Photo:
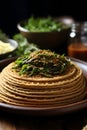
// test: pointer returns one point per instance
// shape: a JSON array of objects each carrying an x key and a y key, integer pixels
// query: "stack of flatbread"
[{"x": 22, "y": 90}]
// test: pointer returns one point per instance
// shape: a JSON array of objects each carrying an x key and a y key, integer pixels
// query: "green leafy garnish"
[{"x": 43, "y": 63}]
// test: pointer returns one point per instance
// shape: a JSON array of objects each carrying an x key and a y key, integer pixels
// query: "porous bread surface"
[{"x": 41, "y": 91}]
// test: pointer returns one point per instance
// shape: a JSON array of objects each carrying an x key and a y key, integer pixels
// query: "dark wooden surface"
[{"x": 70, "y": 121}]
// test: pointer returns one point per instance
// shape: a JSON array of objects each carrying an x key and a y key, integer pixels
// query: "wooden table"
[{"x": 71, "y": 121}]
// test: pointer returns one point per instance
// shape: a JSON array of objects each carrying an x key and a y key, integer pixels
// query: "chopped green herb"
[{"x": 42, "y": 62}]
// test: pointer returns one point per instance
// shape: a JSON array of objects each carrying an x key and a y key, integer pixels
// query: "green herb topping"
[{"x": 43, "y": 63}]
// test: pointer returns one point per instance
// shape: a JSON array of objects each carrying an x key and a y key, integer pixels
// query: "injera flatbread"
[{"x": 41, "y": 91}]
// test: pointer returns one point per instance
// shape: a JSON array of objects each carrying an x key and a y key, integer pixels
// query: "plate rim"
[{"x": 59, "y": 110}]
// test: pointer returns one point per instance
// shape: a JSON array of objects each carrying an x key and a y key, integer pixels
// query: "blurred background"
[{"x": 12, "y": 11}]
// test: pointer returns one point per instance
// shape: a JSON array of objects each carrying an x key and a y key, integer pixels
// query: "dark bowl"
[
  {"x": 13, "y": 43},
  {"x": 45, "y": 40}
]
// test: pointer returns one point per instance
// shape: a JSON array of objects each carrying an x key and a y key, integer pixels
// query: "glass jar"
[{"x": 77, "y": 44}]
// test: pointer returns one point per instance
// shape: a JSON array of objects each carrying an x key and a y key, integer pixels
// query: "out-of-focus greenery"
[
  {"x": 24, "y": 46},
  {"x": 40, "y": 24},
  {"x": 3, "y": 36}
]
